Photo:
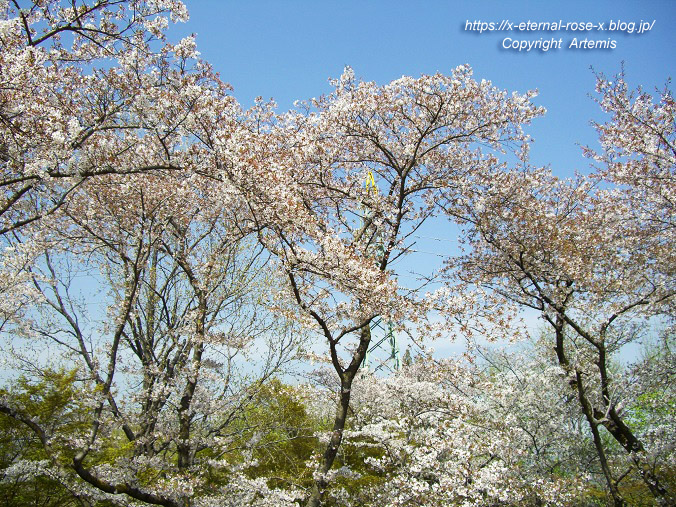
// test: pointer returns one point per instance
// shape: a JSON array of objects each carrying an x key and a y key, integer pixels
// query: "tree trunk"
[
  {"x": 613, "y": 423},
  {"x": 334, "y": 443},
  {"x": 618, "y": 501},
  {"x": 626, "y": 438},
  {"x": 587, "y": 409},
  {"x": 346, "y": 378}
]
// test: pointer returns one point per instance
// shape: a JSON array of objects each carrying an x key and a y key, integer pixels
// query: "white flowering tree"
[
  {"x": 87, "y": 88},
  {"x": 179, "y": 304},
  {"x": 638, "y": 151},
  {"x": 123, "y": 263},
  {"x": 420, "y": 142},
  {"x": 447, "y": 433},
  {"x": 67, "y": 113},
  {"x": 594, "y": 262}
]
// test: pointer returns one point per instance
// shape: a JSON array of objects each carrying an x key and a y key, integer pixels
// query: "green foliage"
[
  {"x": 49, "y": 400},
  {"x": 284, "y": 435}
]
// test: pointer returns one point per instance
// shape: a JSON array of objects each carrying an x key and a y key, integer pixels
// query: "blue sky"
[{"x": 287, "y": 50}]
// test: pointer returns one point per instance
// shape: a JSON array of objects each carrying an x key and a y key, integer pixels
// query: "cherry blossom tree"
[
  {"x": 335, "y": 238},
  {"x": 651, "y": 386},
  {"x": 595, "y": 264},
  {"x": 638, "y": 150},
  {"x": 89, "y": 89},
  {"x": 67, "y": 114},
  {"x": 451, "y": 434},
  {"x": 122, "y": 260},
  {"x": 182, "y": 301}
]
